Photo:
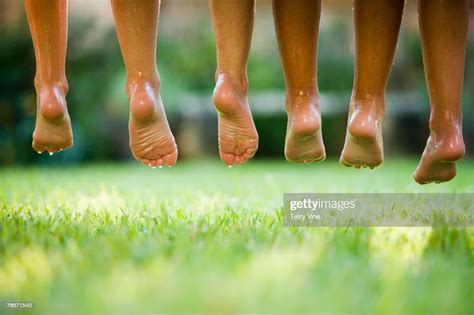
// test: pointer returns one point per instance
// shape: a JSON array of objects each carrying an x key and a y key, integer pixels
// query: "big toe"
[
  {"x": 421, "y": 177},
  {"x": 227, "y": 158},
  {"x": 38, "y": 147}
]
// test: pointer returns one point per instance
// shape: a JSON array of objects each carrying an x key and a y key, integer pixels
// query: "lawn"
[{"x": 200, "y": 237}]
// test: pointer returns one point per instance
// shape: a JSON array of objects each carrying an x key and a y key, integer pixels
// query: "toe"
[
  {"x": 419, "y": 181},
  {"x": 37, "y": 147},
  {"x": 146, "y": 162},
  {"x": 54, "y": 149},
  {"x": 251, "y": 151},
  {"x": 245, "y": 157},
  {"x": 250, "y": 147},
  {"x": 40, "y": 148},
  {"x": 63, "y": 146},
  {"x": 344, "y": 163},
  {"x": 290, "y": 160},
  {"x": 66, "y": 145},
  {"x": 227, "y": 158},
  {"x": 170, "y": 159},
  {"x": 319, "y": 159},
  {"x": 237, "y": 160}
]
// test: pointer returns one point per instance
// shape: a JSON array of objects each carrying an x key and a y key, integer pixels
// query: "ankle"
[
  {"x": 239, "y": 81},
  {"x": 363, "y": 101},
  {"x": 302, "y": 99},
  {"x": 445, "y": 123},
  {"x": 42, "y": 85},
  {"x": 140, "y": 81}
]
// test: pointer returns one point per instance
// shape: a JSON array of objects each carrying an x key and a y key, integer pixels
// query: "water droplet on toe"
[
  {"x": 38, "y": 152},
  {"x": 300, "y": 93},
  {"x": 51, "y": 153}
]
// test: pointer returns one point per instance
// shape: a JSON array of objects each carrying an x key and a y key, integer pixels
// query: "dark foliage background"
[{"x": 186, "y": 60}]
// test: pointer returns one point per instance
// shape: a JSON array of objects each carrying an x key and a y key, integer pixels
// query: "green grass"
[{"x": 200, "y": 237}]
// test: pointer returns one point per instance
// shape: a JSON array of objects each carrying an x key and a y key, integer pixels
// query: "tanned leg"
[
  {"x": 377, "y": 24},
  {"x": 443, "y": 26},
  {"x": 48, "y": 24},
  {"x": 151, "y": 140},
  {"x": 233, "y": 24},
  {"x": 297, "y": 28}
]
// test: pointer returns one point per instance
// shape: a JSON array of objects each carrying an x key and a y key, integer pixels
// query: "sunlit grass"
[{"x": 200, "y": 237}]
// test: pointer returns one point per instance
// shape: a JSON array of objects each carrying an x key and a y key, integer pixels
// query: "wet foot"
[
  {"x": 238, "y": 138},
  {"x": 53, "y": 131},
  {"x": 304, "y": 142},
  {"x": 438, "y": 163},
  {"x": 151, "y": 140},
  {"x": 364, "y": 145}
]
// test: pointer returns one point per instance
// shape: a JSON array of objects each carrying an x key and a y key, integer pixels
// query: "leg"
[
  {"x": 233, "y": 23},
  {"x": 297, "y": 27},
  {"x": 48, "y": 24},
  {"x": 151, "y": 140},
  {"x": 377, "y": 24},
  {"x": 443, "y": 26}
]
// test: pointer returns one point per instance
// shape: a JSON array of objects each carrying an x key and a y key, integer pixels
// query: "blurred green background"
[{"x": 186, "y": 61}]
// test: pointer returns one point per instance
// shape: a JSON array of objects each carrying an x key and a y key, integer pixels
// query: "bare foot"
[
  {"x": 238, "y": 138},
  {"x": 438, "y": 163},
  {"x": 53, "y": 126},
  {"x": 304, "y": 141},
  {"x": 151, "y": 140},
  {"x": 364, "y": 145}
]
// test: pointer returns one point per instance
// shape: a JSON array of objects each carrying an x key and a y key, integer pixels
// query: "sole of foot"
[
  {"x": 304, "y": 142},
  {"x": 363, "y": 147},
  {"x": 53, "y": 131},
  {"x": 438, "y": 162},
  {"x": 238, "y": 138},
  {"x": 151, "y": 140}
]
